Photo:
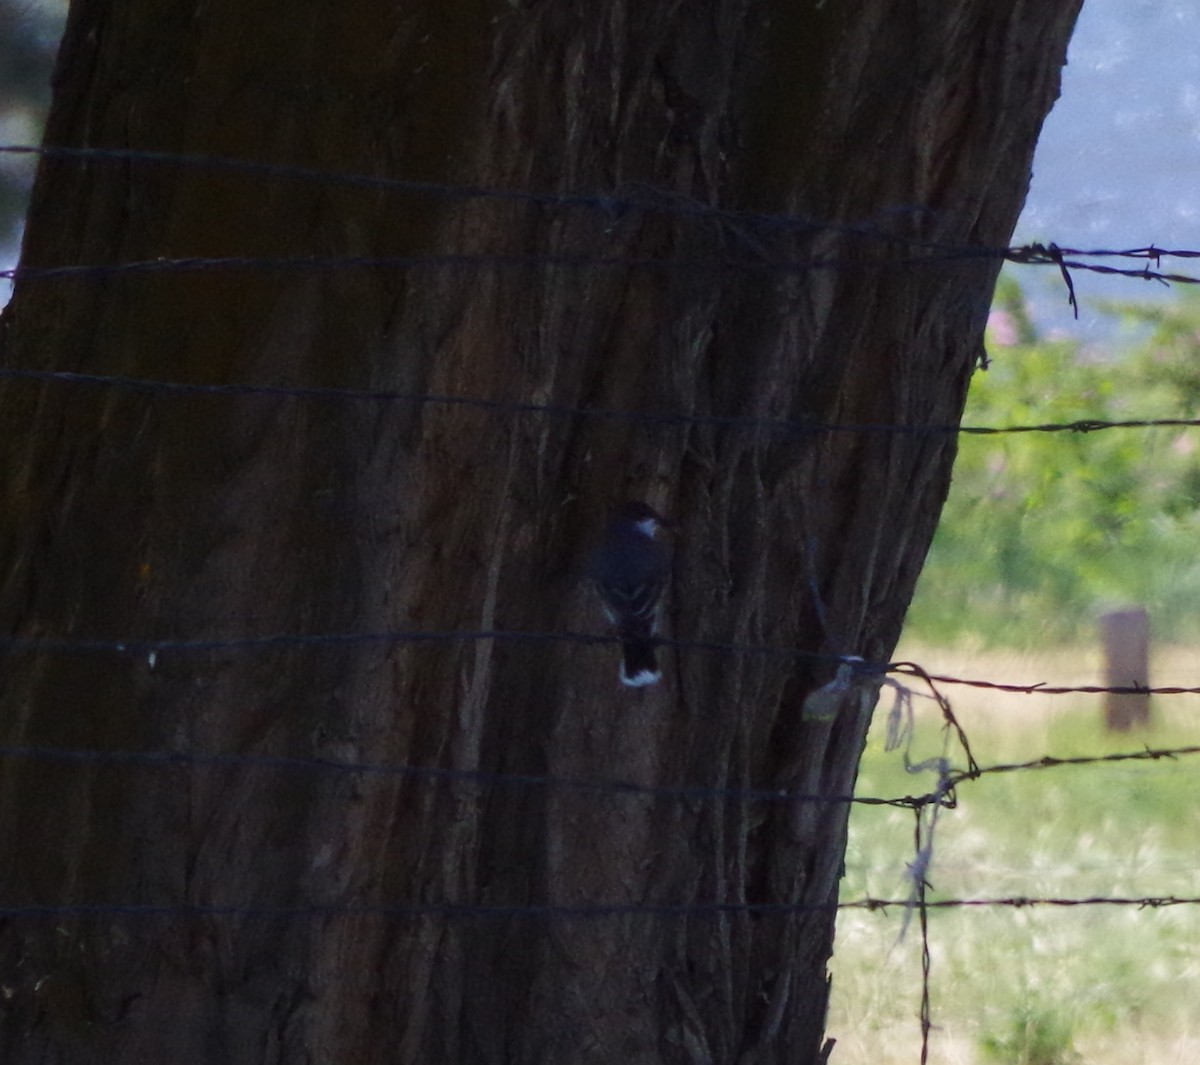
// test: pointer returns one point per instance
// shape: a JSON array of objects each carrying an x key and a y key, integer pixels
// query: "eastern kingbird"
[{"x": 630, "y": 569}]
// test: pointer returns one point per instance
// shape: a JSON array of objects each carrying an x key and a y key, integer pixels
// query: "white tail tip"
[{"x": 643, "y": 678}]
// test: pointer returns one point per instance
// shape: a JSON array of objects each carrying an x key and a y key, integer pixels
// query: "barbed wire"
[
  {"x": 516, "y": 407},
  {"x": 919, "y": 902},
  {"x": 462, "y": 910},
  {"x": 1041, "y": 688},
  {"x": 1032, "y": 254},
  {"x": 175, "y": 759},
  {"x": 729, "y": 265},
  {"x": 155, "y": 650},
  {"x": 1049, "y": 761},
  {"x": 331, "y": 263},
  {"x": 754, "y": 256},
  {"x": 641, "y": 200}
]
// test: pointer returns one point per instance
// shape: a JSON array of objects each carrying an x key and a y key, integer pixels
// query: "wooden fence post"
[{"x": 1126, "y": 638}]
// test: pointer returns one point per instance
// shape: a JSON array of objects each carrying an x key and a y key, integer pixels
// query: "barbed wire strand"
[
  {"x": 155, "y": 650},
  {"x": 516, "y": 407},
  {"x": 458, "y": 910},
  {"x": 1147, "y": 754},
  {"x": 939, "y": 796},
  {"x": 920, "y": 888},
  {"x": 785, "y": 265},
  {"x": 638, "y": 201}
]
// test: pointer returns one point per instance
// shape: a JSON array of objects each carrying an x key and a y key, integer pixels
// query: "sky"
[{"x": 1118, "y": 163}]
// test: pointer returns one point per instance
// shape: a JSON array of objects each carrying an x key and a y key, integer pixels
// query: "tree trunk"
[{"x": 132, "y": 514}]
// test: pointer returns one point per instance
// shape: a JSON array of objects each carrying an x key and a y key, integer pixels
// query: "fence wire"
[
  {"x": 470, "y": 911},
  {"x": 157, "y": 651},
  {"x": 515, "y": 407}
]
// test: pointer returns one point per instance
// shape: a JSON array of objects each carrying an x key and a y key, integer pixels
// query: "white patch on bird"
[
  {"x": 648, "y": 527},
  {"x": 641, "y": 679}
]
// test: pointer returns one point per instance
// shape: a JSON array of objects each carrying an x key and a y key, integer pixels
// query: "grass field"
[{"x": 1105, "y": 985}]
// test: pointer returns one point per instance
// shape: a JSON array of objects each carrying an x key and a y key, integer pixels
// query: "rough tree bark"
[{"x": 133, "y": 514}]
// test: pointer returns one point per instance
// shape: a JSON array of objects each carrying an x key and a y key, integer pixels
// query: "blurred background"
[{"x": 29, "y": 33}]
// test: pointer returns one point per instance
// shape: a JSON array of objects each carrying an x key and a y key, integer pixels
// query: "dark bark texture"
[{"x": 131, "y": 514}]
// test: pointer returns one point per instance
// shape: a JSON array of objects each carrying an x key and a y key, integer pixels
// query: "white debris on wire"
[
  {"x": 900, "y": 732},
  {"x": 900, "y": 722},
  {"x": 918, "y": 868},
  {"x": 854, "y": 678}
]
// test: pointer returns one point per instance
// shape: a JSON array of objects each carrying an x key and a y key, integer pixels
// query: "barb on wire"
[
  {"x": 1056, "y": 257},
  {"x": 1067, "y": 259},
  {"x": 1147, "y": 754},
  {"x": 1041, "y": 688},
  {"x": 1144, "y": 274}
]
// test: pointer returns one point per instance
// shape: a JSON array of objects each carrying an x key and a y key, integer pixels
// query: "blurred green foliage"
[{"x": 1043, "y": 531}]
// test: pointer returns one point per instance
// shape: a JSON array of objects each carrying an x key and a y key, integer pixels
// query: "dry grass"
[{"x": 1044, "y": 986}]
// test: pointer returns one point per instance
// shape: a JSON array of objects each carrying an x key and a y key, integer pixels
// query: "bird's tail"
[{"x": 639, "y": 663}]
